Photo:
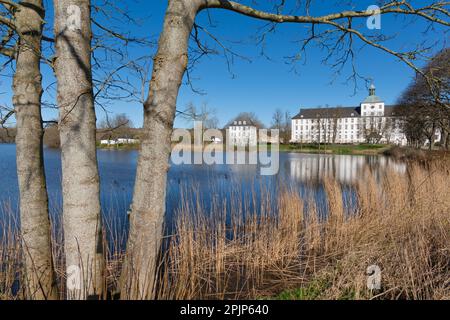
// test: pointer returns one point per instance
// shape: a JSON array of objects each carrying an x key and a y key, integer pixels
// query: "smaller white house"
[
  {"x": 119, "y": 141},
  {"x": 242, "y": 132},
  {"x": 108, "y": 142},
  {"x": 127, "y": 141},
  {"x": 216, "y": 140}
]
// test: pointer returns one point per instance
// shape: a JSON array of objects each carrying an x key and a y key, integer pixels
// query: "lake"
[{"x": 303, "y": 172}]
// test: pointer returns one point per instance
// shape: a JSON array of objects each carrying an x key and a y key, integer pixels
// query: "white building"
[
  {"x": 108, "y": 142},
  {"x": 242, "y": 132},
  {"x": 119, "y": 141},
  {"x": 127, "y": 141},
  {"x": 371, "y": 122}
]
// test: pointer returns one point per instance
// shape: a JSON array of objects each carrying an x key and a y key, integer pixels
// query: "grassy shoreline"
[
  {"x": 342, "y": 149},
  {"x": 357, "y": 149}
]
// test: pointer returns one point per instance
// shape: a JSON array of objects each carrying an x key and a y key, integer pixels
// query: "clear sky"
[{"x": 264, "y": 84}]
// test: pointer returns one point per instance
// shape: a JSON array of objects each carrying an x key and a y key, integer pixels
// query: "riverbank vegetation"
[
  {"x": 398, "y": 222},
  {"x": 336, "y": 148},
  {"x": 292, "y": 246}
]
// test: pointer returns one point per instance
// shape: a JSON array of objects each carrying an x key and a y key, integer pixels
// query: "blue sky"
[{"x": 262, "y": 85}]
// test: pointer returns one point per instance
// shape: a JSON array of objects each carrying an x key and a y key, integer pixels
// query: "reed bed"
[
  {"x": 400, "y": 223},
  {"x": 261, "y": 244}
]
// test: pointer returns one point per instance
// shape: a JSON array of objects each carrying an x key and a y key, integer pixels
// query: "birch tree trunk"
[
  {"x": 27, "y": 87},
  {"x": 80, "y": 180},
  {"x": 148, "y": 209}
]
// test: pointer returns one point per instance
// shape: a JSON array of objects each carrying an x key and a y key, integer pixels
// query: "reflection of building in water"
[{"x": 345, "y": 169}]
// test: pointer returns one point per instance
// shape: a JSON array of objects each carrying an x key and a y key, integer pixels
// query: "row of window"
[
  {"x": 241, "y": 128},
  {"x": 241, "y": 134},
  {"x": 346, "y": 120},
  {"x": 339, "y": 127},
  {"x": 316, "y": 137},
  {"x": 240, "y": 123},
  {"x": 341, "y": 120},
  {"x": 364, "y": 107}
]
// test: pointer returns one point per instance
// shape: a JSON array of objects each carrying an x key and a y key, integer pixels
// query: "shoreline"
[
  {"x": 357, "y": 150},
  {"x": 360, "y": 149}
]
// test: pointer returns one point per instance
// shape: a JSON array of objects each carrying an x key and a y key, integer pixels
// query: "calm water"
[{"x": 303, "y": 172}]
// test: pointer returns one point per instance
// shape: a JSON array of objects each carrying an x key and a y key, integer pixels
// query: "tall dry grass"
[
  {"x": 12, "y": 286},
  {"x": 399, "y": 222},
  {"x": 256, "y": 244}
]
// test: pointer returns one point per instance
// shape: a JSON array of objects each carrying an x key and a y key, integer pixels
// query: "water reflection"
[
  {"x": 346, "y": 169},
  {"x": 303, "y": 172}
]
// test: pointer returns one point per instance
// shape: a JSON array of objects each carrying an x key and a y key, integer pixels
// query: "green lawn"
[{"x": 335, "y": 148}]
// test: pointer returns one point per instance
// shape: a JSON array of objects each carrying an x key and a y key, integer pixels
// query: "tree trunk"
[
  {"x": 80, "y": 181},
  {"x": 27, "y": 87},
  {"x": 148, "y": 209}
]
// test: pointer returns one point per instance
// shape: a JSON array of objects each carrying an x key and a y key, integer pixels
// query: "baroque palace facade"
[{"x": 371, "y": 122}]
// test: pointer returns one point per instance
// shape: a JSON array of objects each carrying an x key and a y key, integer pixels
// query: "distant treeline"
[
  {"x": 51, "y": 135},
  {"x": 7, "y": 135}
]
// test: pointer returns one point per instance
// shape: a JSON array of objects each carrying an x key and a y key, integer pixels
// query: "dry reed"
[
  {"x": 252, "y": 244},
  {"x": 399, "y": 222}
]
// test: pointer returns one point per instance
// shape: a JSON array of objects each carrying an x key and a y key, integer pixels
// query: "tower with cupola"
[{"x": 372, "y": 106}]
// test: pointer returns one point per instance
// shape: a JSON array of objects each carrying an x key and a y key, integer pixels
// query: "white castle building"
[
  {"x": 242, "y": 132},
  {"x": 371, "y": 122}
]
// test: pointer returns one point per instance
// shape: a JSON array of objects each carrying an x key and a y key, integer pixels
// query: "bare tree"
[
  {"x": 204, "y": 113},
  {"x": 120, "y": 120},
  {"x": 424, "y": 112},
  {"x": 22, "y": 43},
  {"x": 287, "y": 128},
  {"x": 373, "y": 129},
  {"x": 169, "y": 67},
  {"x": 83, "y": 241},
  {"x": 277, "y": 119}
]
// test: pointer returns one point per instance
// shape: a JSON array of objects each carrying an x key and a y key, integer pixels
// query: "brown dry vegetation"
[
  {"x": 272, "y": 245},
  {"x": 400, "y": 223}
]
